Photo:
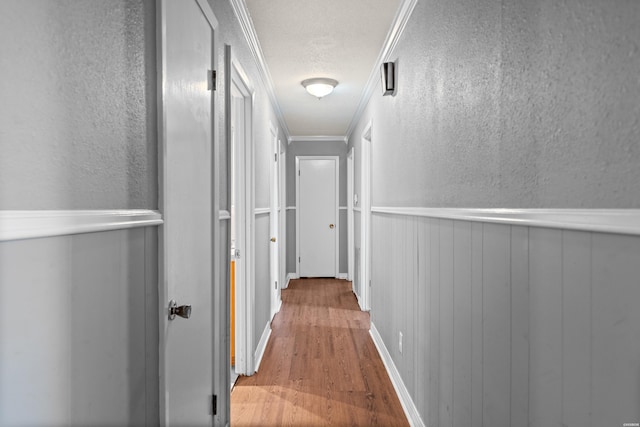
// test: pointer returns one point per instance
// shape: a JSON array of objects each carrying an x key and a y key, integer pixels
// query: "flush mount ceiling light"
[{"x": 320, "y": 86}]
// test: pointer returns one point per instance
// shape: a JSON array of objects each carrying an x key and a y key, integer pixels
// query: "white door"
[
  {"x": 187, "y": 199},
  {"x": 317, "y": 216},
  {"x": 274, "y": 254}
]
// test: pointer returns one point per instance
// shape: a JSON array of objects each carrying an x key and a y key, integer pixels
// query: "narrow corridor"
[{"x": 320, "y": 366}]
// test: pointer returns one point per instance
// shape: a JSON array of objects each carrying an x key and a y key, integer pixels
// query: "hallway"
[{"x": 320, "y": 366}]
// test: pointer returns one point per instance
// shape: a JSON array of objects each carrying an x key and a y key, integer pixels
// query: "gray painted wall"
[
  {"x": 78, "y": 111},
  {"x": 316, "y": 148},
  {"x": 78, "y": 131},
  {"x": 524, "y": 104},
  {"x": 528, "y": 104}
]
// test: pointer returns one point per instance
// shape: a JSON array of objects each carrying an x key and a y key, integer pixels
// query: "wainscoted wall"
[
  {"x": 509, "y": 325},
  {"x": 79, "y": 329},
  {"x": 263, "y": 279}
]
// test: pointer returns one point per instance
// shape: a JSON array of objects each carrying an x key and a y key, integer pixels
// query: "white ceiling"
[{"x": 339, "y": 39}]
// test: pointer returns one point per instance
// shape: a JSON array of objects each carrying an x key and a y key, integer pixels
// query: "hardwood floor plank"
[{"x": 320, "y": 366}]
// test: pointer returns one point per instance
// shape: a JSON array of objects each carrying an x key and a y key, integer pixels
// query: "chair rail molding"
[
  {"x": 33, "y": 224},
  {"x": 619, "y": 221}
]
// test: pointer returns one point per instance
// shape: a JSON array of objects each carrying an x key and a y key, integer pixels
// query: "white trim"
[
  {"x": 350, "y": 216},
  {"x": 291, "y": 208},
  {"x": 366, "y": 156},
  {"x": 619, "y": 221},
  {"x": 290, "y": 277},
  {"x": 397, "y": 28},
  {"x": 262, "y": 346},
  {"x": 33, "y": 224},
  {"x": 318, "y": 138},
  {"x": 225, "y": 215},
  {"x": 342, "y": 208},
  {"x": 342, "y": 276},
  {"x": 236, "y": 77},
  {"x": 357, "y": 209},
  {"x": 240, "y": 9},
  {"x": 261, "y": 211},
  {"x": 409, "y": 407}
]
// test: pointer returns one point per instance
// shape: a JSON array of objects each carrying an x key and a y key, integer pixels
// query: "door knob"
[
  {"x": 273, "y": 239},
  {"x": 331, "y": 226},
  {"x": 183, "y": 311}
]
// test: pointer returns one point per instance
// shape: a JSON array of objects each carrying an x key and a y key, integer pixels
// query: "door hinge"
[
  {"x": 211, "y": 79},
  {"x": 214, "y": 404},
  {"x": 276, "y": 284},
  {"x": 298, "y": 173},
  {"x": 298, "y": 259},
  {"x": 275, "y": 157}
]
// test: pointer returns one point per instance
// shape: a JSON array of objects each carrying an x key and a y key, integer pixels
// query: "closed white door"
[
  {"x": 317, "y": 216},
  {"x": 187, "y": 199}
]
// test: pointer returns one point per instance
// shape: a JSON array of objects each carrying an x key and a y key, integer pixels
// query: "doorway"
[
  {"x": 350, "y": 219},
  {"x": 241, "y": 189},
  {"x": 274, "y": 222},
  {"x": 365, "y": 231},
  {"x": 317, "y": 227}
]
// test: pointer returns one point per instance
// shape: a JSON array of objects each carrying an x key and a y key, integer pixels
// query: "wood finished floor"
[{"x": 320, "y": 366}]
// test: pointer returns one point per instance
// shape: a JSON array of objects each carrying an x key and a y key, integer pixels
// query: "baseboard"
[
  {"x": 262, "y": 346},
  {"x": 342, "y": 276},
  {"x": 290, "y": 277},
  {"x": 359, "y": 301},
  {"x": 410, "y": 410}
]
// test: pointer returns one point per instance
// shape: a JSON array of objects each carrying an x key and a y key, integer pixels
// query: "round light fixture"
[{"x": 320, "y": 86}]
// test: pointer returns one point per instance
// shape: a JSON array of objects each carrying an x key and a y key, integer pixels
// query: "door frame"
[
  {"x": 365, "y": 224},
  {"x": 282, "y": 209},
  {"x": 337, "y": 213},
  {"x": 274, "y": 222},
  {"x": 245, "y": 288},
  {"x": 217, "y": 301},
  {"x": 350, "y": 220}
]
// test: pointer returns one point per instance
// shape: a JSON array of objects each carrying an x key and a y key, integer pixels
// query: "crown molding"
[
  {"x": 318, "y": 138},
  {"x": 399, "y": 24},
  {"x": 242, "y": 13}
]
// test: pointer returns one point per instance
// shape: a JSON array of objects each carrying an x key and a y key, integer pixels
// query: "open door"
[{"x": 188, "y": 200}]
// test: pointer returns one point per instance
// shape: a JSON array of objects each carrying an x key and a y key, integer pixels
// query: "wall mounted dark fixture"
[{"x": 388, "y": 75}]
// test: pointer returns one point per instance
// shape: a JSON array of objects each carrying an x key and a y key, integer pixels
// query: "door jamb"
[
  {"x": 245, "y": 304},
  {"x": 365, "y": 233},
  {"x": 337, "y": 212},
  {"x": 282, "y": 209},
  {"x": 350, "y": 222},
  {"x": 274, "y": 171}
]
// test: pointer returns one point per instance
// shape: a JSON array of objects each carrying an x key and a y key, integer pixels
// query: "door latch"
[{"x": 183, "y": 311}]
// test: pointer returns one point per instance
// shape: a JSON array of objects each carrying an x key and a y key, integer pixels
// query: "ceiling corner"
[{"x": 242, "y": 13}]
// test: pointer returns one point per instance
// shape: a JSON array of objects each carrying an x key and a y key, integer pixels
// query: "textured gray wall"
[
  {"x": 315, "y": 148},
  {"x": 527, "y": 103},
  {"x": 78, "y": 111}
]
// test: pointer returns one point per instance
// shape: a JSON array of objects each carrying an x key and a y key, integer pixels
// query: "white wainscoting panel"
[
  {"x": 509, "y": 324},
  {"x": 79, "y": 329}
]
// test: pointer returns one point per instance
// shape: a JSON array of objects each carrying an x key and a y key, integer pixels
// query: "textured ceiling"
[{"x": 339, "y": 39}]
